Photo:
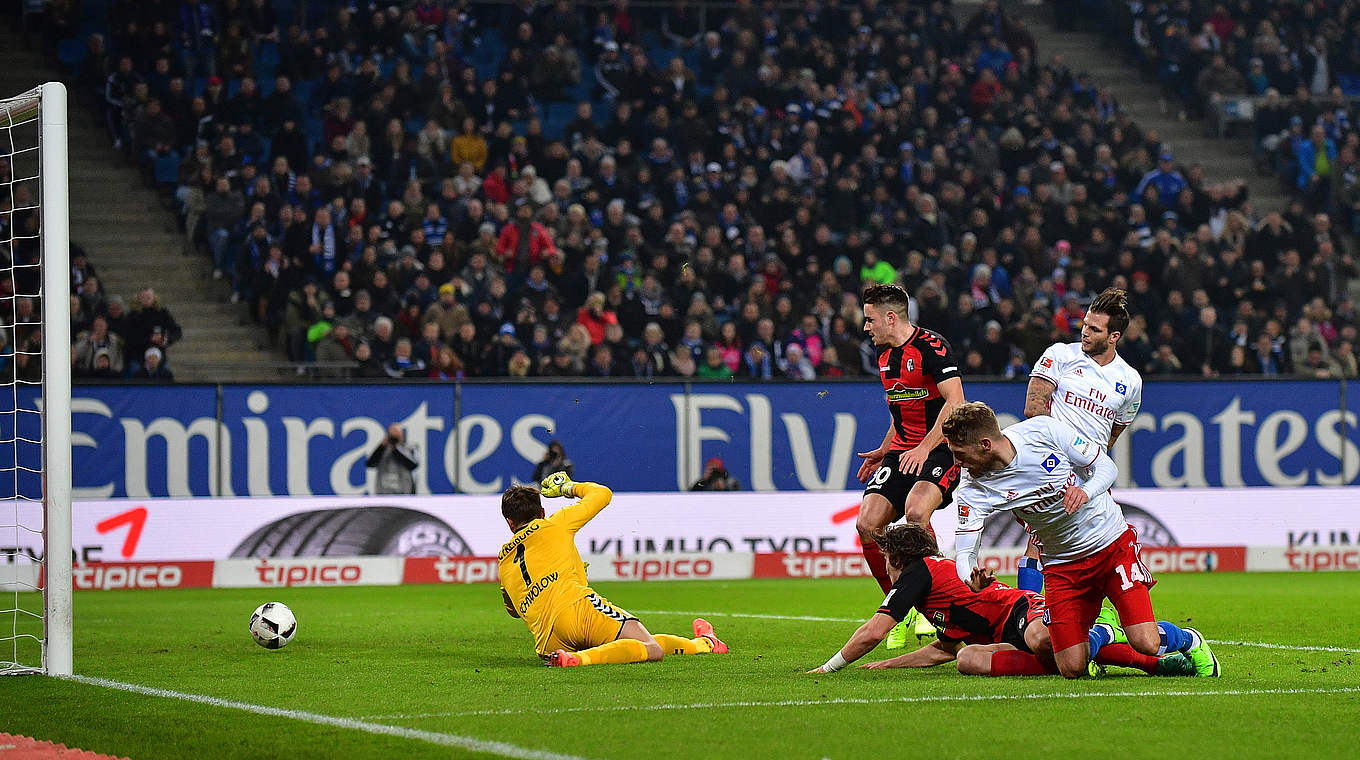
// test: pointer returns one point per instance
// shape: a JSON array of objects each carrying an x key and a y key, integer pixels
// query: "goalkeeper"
[{"x": 543, "y": 582}]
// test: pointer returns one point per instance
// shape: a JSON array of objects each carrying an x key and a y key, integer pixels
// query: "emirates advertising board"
[{"x": 307, "y": 441}]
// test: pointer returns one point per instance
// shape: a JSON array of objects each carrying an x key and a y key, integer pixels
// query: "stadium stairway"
[
  {"x": 1089, "y": 51},
  {"x": 132, "y": 240}
]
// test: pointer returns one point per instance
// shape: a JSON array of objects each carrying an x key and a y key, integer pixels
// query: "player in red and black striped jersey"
[
  {"x": 989, "y": 627},
  {"x": 911, "y": 473}
]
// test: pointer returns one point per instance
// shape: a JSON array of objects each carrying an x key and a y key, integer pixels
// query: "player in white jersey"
[
  {"x": 1057, "y": 481},
  {"x": 1088, "y": 386}
]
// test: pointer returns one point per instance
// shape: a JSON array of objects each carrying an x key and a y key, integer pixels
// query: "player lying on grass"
[
  {"x": 988, "y": 627},
  {"x": 1057, "y": 481},
  {"x": 543, "y": 582}
]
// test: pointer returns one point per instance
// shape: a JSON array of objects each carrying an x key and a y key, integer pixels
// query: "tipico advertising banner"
[{"x": 667, "y": 523}]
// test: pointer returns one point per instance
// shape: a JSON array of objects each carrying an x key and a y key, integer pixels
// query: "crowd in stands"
[
  {"x": 1301, "y": 61},
  {"x": 446, "y": 189},
  {"x": 110, "y": 339}
]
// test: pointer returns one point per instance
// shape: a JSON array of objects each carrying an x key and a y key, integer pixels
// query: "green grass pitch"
[{"x": 448, "y": 662}]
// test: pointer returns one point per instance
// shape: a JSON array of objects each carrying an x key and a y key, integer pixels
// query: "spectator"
[
  {"x": 394, "y": 462},
  {"x": 716, "y": 478},
  {"x": 554, "y": 460},
  {"x": 151, "y": 368}
]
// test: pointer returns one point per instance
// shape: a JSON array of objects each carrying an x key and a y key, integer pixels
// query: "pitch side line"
[
  {"x": 1223, "y": 642},
  {"x": 866, "y": 701},
  {"x": 449, "y": 740}
]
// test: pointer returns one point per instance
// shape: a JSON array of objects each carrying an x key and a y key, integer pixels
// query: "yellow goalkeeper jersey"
[{"x": 541, "y": 569}]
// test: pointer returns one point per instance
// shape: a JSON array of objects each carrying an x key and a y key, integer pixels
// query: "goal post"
[{"x": 36, "y": 618}]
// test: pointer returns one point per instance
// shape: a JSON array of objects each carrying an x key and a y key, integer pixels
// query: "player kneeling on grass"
[
  {"x": 988, "y": 627},
  {"x": 543, "y": 582},
  {"x": 1058, "y": 482}
]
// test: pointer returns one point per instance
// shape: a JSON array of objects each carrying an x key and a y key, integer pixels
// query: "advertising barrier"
[
  {"x": 260, "y": 536},
  {"x": 301, "y": 441},
  {"x": 393, "y": 571}
]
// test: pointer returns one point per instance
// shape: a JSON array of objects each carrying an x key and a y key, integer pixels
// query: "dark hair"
[
  {"x": 1113, "y": 303},
  {"x": 970, "y": 422},
  {"x": 906, "y": 543},
  {"x": 520, "y": 504},
  {"x": 892, "y": 296}
]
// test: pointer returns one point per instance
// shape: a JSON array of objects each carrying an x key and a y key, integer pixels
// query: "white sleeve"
[
  {"x": 1049, "y": 366},
  {"x": 972, "y": 516},
  {"x": 965, "y": 553},
  {"x": 1132, "y": 402},
  {"x": 1087, "y": 455},
  {"x": 1103, "y": 473}
]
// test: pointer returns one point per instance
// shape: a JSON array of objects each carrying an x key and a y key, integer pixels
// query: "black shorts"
[
  {"x": 894, "y": 485},
  {"x": 1025, "y": 611}
]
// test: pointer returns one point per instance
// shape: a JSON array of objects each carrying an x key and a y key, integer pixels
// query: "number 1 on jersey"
[{"x": 523, "y": 568}]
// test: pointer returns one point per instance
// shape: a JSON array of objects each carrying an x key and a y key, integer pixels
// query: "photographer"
[
  {"x": 554, "y": 460},
  {"x": 716, "y": 478},
  {"x": 394, "y": 463}
]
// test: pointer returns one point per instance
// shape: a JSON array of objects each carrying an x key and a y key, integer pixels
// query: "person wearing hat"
[
  {"x": 716, "y": 478},
  {"x": 447, "y": 312},
  {"x": 1165, "y": 178},
  {"x": 611, "y": 72},
  {"x": 153, "y": 369}
]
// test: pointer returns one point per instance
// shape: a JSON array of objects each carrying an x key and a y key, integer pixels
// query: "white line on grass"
[
  {"x": 449, "y": 740},
  {"x": 1073, "y": 695},
  {"x": 754, "y": 616}
]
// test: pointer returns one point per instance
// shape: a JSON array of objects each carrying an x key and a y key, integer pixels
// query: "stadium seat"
[
  {"x": 166, "y": 170},
  {"x": 71, "y": 54}
]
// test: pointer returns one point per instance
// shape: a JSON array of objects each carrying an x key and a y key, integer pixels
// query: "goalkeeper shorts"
[{"x": 588, "y": 622}]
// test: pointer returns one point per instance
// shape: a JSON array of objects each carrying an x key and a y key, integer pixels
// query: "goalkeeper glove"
[{"x": 557, "y": 484}]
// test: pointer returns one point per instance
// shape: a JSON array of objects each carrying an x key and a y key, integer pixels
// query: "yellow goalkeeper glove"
[{"x": 557, "y": 484}]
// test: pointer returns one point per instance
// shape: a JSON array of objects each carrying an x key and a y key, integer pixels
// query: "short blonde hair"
[{"x": 970, "y": 422}]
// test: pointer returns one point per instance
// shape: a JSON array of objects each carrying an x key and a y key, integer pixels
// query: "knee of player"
[
  {"x": 866, "y": 527},
  {"x": 1144, "y": 642},
  {"x": 1069, "y": 670},
  {"x": 655, "y": 652}
]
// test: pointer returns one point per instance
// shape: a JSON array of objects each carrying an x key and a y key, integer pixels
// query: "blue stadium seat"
[
  {"x": 265, "y": 83},
  {"x": 166, "y": 169},
  {"x": 303, "y": 89},
  {"x": 311, "y": 127},
  {"x": 71, "y": 53}
]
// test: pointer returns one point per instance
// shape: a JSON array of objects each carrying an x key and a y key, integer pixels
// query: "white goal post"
[{"x": 35, "y": 386}]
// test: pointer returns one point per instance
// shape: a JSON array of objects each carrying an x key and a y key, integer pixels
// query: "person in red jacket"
[
  {"x": 523, "y": 243},
  {"x": 595, "y": 316}
]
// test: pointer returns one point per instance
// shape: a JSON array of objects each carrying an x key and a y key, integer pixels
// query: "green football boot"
[
  {"x": 897, "y": 636},
  {"x": 1204, "y": 659},
  {"x": 1175, "y": 665},
  {"x": 1111, "y": 618}
]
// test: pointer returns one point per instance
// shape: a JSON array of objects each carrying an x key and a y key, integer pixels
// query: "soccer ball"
[{"x": 272, "y": 625}]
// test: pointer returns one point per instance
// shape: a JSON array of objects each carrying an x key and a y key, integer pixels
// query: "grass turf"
[{"x": 448, "y": 660}]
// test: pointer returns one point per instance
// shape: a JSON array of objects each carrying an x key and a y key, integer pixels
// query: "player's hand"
[
  {"x": 557, "y": 484},
  {"x": 981, "y": 579},
  {"x": 817, "y": 669},
  {"x": 872, "y": 460},
  {"x": 913, "y": 461},
  {"x": 509, "y": 605},
  {"x": 1074, "y": 499}
]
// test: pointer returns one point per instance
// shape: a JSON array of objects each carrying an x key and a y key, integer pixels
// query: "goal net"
[{"x": 35, "y": 385}]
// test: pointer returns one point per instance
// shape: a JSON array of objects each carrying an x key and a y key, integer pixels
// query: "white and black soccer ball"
[{"x": 272, "y": 625}]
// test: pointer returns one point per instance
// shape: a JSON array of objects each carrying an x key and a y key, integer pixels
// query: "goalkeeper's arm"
[
  {"x": 593, "y": 498},
  {"x": 509, "y": 603},
  {"x": 863, "y": 642}
]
